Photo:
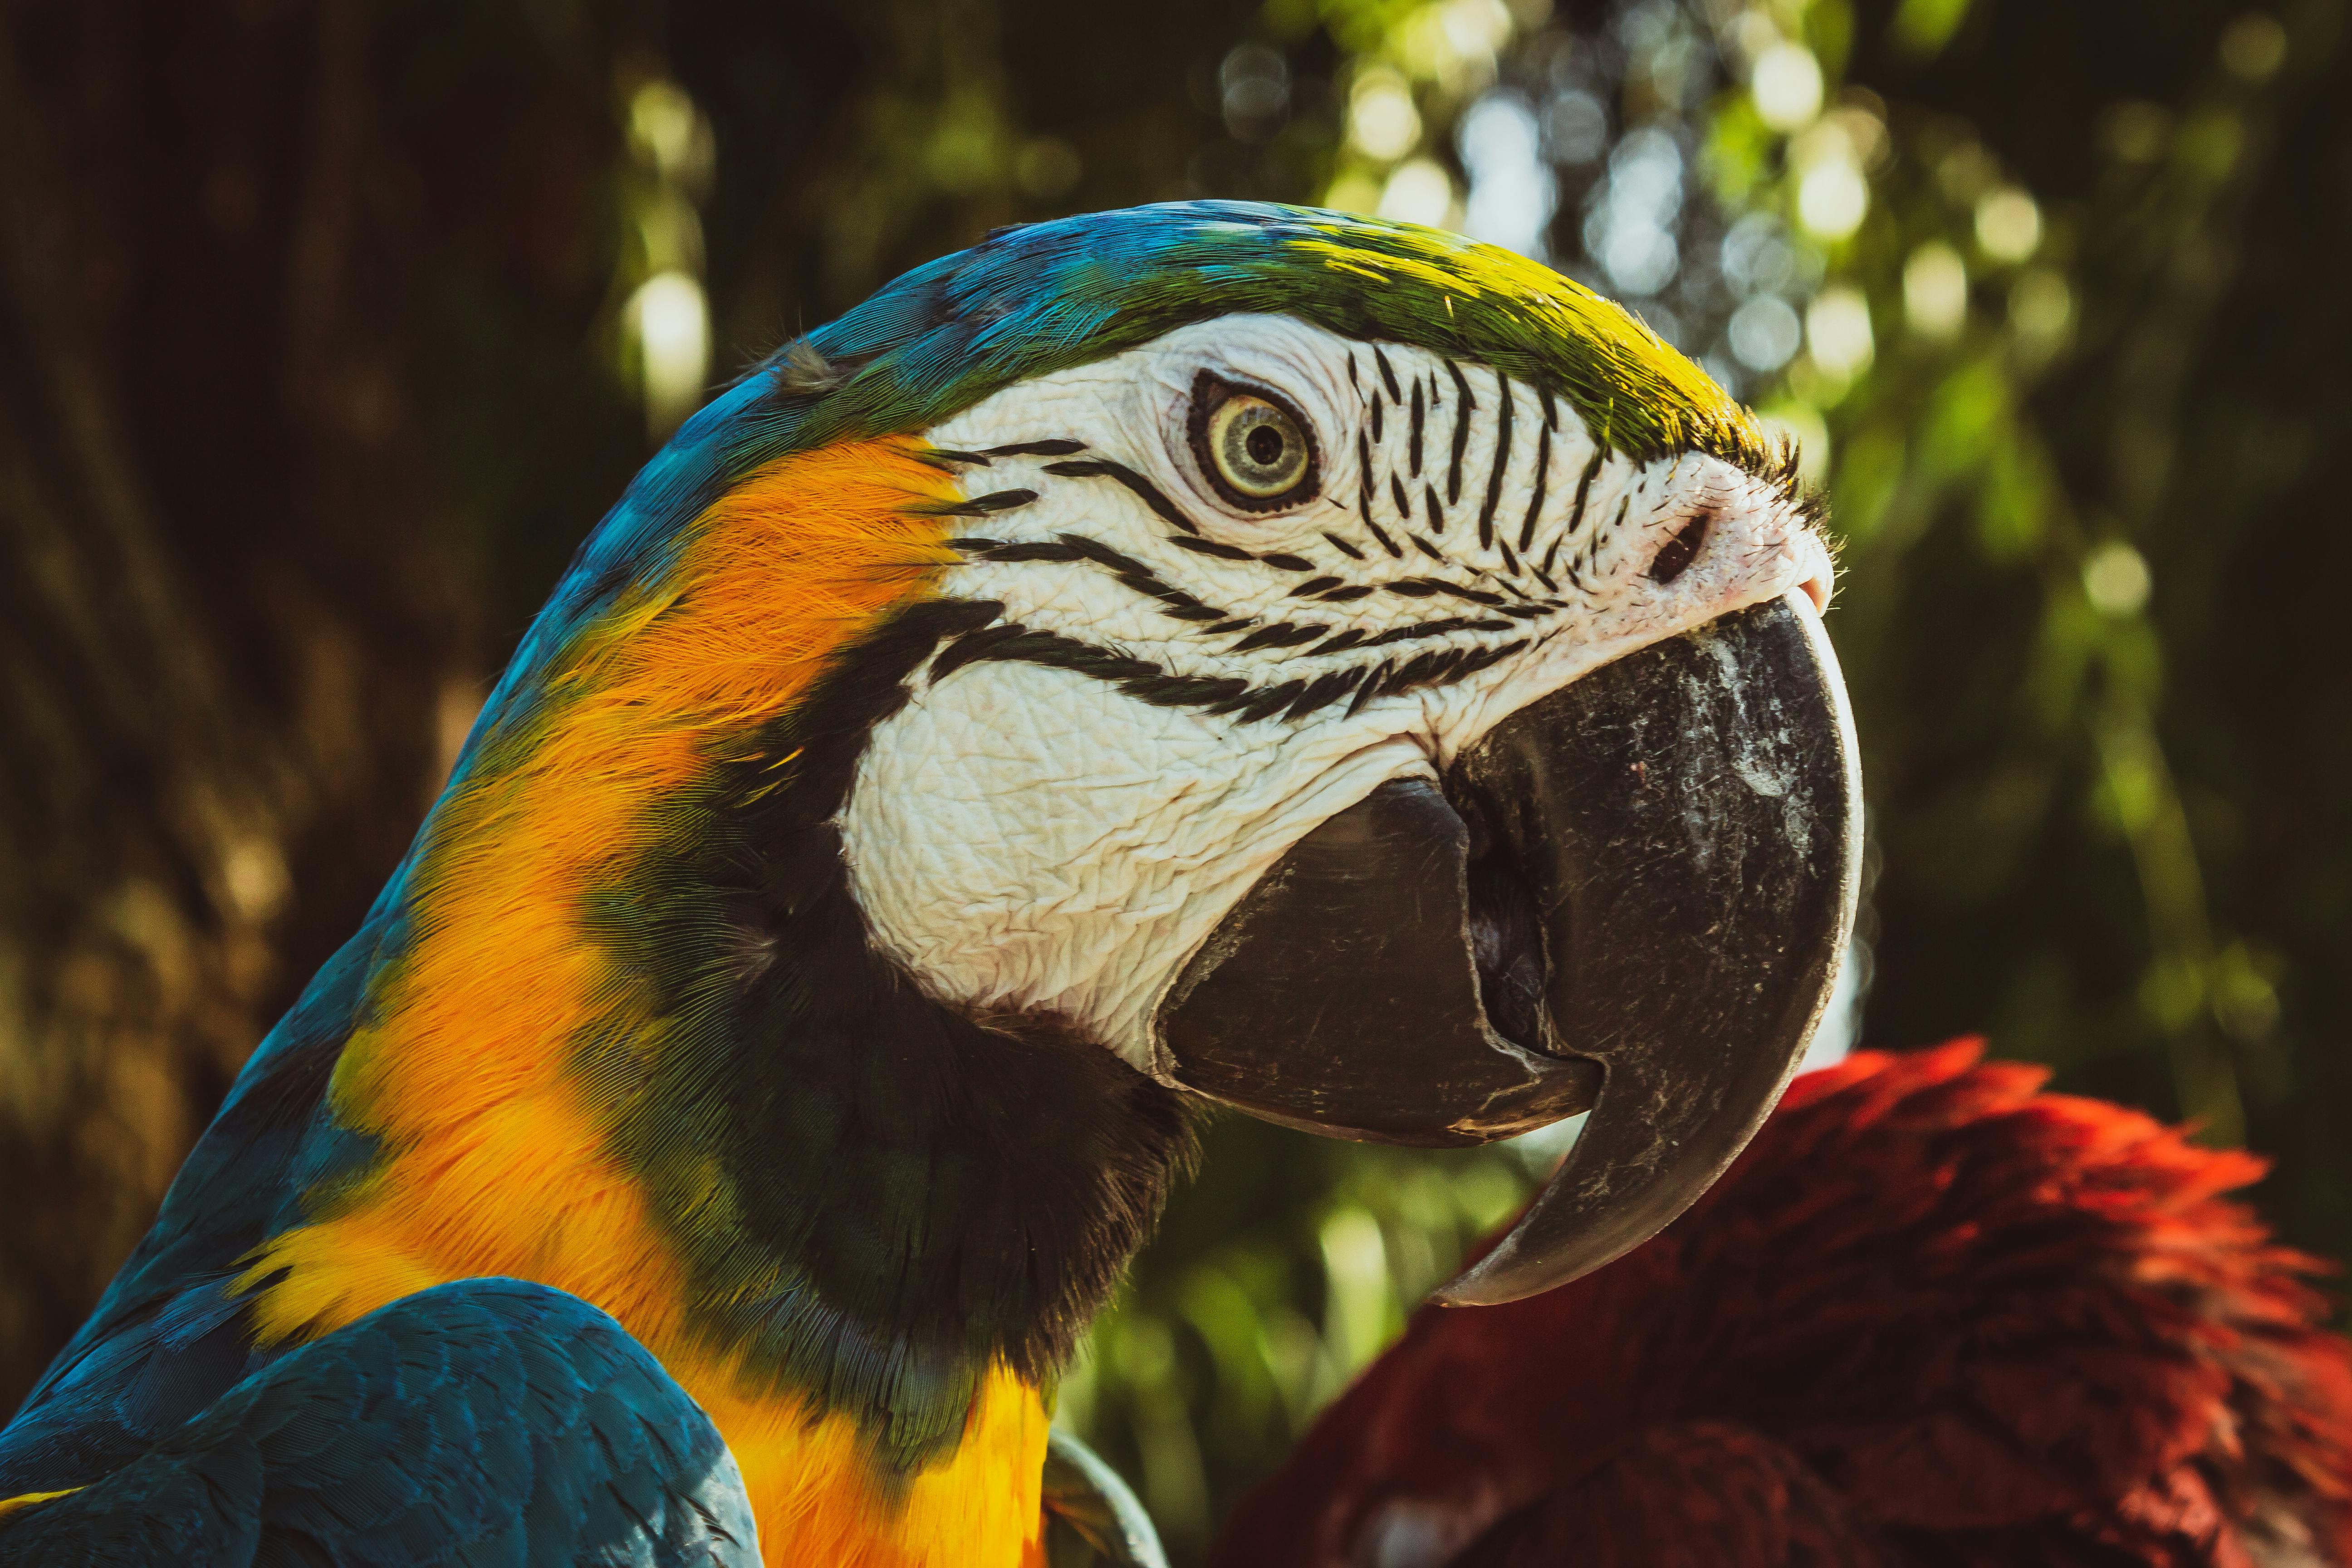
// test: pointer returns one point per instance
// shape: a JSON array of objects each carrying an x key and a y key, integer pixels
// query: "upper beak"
[{"x": 1631, "y": 896}]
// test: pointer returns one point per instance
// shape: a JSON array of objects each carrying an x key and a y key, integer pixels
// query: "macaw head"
[
  {"x": 1401, "y": 713},
  {"x": 1315, "y": 664}
]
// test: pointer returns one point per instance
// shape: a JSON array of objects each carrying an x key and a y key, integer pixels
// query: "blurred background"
[{"x": 329, "y": 327}]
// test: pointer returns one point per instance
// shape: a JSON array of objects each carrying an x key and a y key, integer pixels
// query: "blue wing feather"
[{"x": 488, "y": 1421}]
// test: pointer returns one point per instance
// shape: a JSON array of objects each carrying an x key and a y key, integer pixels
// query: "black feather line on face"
[
  {"x": 1413, "y": 448},
  {"x": 1502, "y": 461},
  {"x": 1342, "y": 640},
  {"x": 1321, "y": 692},
  {"x": 1131, "y": 574},
  {"x": 1189, "y": 690},
  {"x": 1030, "y": 550},
  {"x": 1674, "y": 558},
  {"x": 1103, "y": 554},
  {"x": 1432, "y": 628},
  {"x": 976, "y": 506},
  {"x": 1151, "y": 495},
  {"x": 1584, "y": 490},
  {"x": 972, "y": 646},
  {"x": 1428, "y": 666},
  {"x": 1274, "y": 699},
  {"x": 1281, "y": 635},
  {"x": 1543, "y": 478},
  {"x": 1465, "y": 406},
  {"x": 1217, "y": 548},
  {"x": 1142, "y": 679},
  {"x": 1180, "y": 605}
]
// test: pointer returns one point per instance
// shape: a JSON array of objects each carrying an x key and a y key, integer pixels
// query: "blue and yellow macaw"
[{"x": 1210, "y": 652}]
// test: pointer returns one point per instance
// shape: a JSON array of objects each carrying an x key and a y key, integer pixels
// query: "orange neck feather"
[{"x": 493, "y": 1159}]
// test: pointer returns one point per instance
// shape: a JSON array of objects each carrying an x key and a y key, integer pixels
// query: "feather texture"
[
  {"x": 617, "y": 1024},
  {"x": 1932, "y": 1317},
  {"x": 486, "y": 1421}
]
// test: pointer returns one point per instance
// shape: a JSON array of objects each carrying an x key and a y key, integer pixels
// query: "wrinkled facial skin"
[{"x": 1054, "y": 823}]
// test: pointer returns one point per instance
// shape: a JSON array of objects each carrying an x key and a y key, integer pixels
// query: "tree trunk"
[{"x": 235, "y": 656}]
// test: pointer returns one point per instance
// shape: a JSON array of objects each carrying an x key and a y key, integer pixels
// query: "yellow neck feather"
[{"x": 492, "y": 1152}]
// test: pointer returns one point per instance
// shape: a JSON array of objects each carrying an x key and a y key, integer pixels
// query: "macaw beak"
[{"x": 1631, "y": 897}]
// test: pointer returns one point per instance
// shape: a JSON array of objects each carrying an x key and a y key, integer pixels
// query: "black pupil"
[{"x": 1265, "y": 446}]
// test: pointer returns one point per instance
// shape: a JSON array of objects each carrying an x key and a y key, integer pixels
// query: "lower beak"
[{"x": 1631, "y": 897}]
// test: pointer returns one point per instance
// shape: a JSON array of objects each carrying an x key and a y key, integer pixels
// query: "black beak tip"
[
  {"x": 1729, "y": 756},
  {"x": 1637, "y": 887}
]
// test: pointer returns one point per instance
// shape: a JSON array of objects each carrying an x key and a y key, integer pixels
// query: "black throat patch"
[{"x": 876, "y": 1196}]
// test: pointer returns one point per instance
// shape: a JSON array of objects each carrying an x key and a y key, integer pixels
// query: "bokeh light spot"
[
  {"x": 2041, "y": 309},
  {"x": 1837, "y": 329},
  {"x": 1936, "y": 291},
  {"x": 1575, "y": 127},
  {"x": 1421, "y": 191},
  {"x": 2254, "y": 48},
  {"x": 1765, "y": 333},
  {"x": 2009, "y": 224},
  {"x": 1832, "y": 199},
  {"x": 1511, "y": 189},
  {"x": 1383, "y": 122},
  {"x": 672, "y": 324},
  {"x": 1787, "y": 86},
  {"x": 2116, "y": 579}
]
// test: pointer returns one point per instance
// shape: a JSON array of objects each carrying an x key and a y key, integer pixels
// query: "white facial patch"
[{"x": 1179, "y": 687}]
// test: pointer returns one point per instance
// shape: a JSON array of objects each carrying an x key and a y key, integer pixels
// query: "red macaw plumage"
[{"x": 1932, "y": 1316}]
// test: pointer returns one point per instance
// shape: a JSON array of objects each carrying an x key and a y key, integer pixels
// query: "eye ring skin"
[{"x": 1211, "y": 392}]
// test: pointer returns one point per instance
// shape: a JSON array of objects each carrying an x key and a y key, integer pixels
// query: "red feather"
[{"x": 1932, "y": 1316}]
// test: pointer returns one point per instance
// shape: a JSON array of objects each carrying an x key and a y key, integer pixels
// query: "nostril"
[
  {"x": 1675, "y": 556},
  {"x": 1821, "y": 580}
]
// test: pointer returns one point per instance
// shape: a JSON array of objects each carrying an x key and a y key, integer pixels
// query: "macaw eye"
[{"x": 1254, "y": 446}]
